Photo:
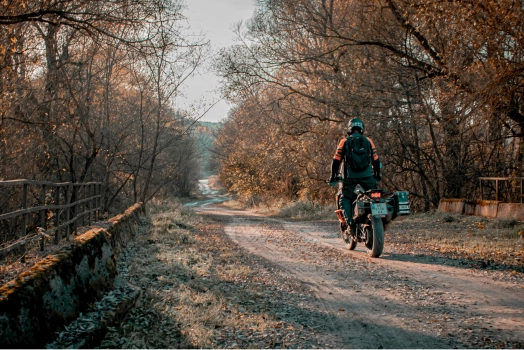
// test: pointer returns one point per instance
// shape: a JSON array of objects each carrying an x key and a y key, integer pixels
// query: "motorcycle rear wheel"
[{"x": 375, "y": 242}]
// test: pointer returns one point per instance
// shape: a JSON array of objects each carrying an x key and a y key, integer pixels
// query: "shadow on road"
[{"x": 459, "y": 262}]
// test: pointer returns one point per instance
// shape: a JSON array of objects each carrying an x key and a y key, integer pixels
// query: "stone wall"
[
  {"x": 490, "y": 209},
  {"x": 451, "y": 205},
  {"x": 53, "y": 292},
  {"x": 511, "y": 211}
]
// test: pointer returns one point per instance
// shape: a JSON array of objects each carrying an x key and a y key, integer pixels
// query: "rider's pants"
[{"x": 349, "y": 196}]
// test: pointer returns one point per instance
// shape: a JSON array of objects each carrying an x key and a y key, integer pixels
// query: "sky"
[{"x": 215, "y": 19}]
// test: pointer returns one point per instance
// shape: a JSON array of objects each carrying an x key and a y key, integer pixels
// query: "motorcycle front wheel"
[
  {"x": 349, "y": 239},
  {"x": 375, "y": 237}
]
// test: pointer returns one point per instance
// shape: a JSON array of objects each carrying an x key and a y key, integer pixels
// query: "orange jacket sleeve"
[
  {"x": 374, "y": 153},
  {"x": 340, "y": 149}
]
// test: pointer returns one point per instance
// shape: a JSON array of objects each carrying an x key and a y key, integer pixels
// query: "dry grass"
[
  {"x": 303, "y": 210},
  {"x": 195, "y": 285},
  {"x": 234, "y": 204},
  {"x": 477, "y": 238},
  {"x": 306, "y": 210}
]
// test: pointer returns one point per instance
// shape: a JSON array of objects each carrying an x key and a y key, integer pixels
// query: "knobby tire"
[
  {"x": 376, "y": 246},
  {"x": 351, "y": 244},
  {"x": 348, "y": 239}
]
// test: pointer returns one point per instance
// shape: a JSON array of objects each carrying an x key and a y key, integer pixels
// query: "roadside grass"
[
  {"x": 477, "y": 238},
  {"x": 196, "y": 288},
  {"x": 234, "y": 204},
  {"x": 306, "y": 210},
  {"x": 302, "y": 210}
]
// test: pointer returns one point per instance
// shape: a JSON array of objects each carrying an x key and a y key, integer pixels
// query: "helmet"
[{"x": 356, "y": 123}]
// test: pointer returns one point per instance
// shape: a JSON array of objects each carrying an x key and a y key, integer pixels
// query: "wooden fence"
[
  {"x": 507, "y": 193},
  {"x": 54, "y": 211}
]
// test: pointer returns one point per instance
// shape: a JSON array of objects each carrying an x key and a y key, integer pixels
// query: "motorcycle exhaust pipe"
[{"x": 340, "y": 216}]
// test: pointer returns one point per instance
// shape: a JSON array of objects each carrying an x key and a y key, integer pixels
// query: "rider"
[{"x": 361, "y": 164}]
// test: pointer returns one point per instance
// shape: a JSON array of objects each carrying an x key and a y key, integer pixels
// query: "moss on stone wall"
[{"x": 53, "y": 292}]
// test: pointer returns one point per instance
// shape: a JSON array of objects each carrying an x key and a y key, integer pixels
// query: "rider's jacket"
[{"x": 340, "y": 155}]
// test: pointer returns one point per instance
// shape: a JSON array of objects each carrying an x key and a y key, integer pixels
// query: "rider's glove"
[
  {"x": 377, "y": 165},
  {"x": 376, "y": 174},
  {"x": 376, "y": 169}
]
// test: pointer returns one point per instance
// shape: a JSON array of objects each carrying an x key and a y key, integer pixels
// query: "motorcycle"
[{"x": 373, "y": 210}]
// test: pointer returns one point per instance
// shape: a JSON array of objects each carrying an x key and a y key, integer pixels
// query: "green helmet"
[{"x": 356, "y": 123}]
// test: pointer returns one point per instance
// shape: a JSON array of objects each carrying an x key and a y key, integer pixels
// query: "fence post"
[
  {"x": 24, "y": 205},
  {"x": 99, "y": 201},
  {"x": 57, "y": 214},
  {"x": 93, "y": 204},
  {"x": 96, "y": 202},
  {"x": 68, "y": 214},
  {"x": 93, "y": 201},
  {"x": 100, "y": 212},
  {"x": 88, "y": 187},
  {"x": 496, "y": 190},
  {"x": 481, "y": 191},
  {"x": 43, "y": 219},
  {"x": 80, "y": 207},
  {"x": 83, "y": 195},
  {"x": 75, "y": 224}
]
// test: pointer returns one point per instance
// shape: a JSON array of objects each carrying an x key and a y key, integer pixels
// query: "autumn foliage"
[
  {"x": 439, "y": 85},
  {"x": 87, "y": 91}
]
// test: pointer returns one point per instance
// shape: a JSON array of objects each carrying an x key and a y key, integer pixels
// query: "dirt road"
[{"x": 396, "y": 301}]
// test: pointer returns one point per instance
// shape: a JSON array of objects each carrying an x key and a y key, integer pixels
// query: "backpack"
[{"x": 358, "y": 152}]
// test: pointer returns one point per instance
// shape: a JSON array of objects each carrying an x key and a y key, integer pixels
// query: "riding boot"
[{"x": 353, "y": 229}]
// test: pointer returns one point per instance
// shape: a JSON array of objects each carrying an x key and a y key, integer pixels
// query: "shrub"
[{"x": 504, "y": 223}]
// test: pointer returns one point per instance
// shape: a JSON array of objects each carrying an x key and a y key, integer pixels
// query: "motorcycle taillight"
[{"x": 376, "y": 195}]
